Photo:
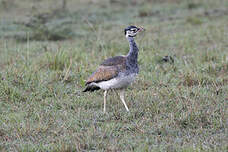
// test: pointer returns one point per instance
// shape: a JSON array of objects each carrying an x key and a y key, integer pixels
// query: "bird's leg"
[
  {"x": 122, "y": 99},
  {"x": 105, "y": 94}
]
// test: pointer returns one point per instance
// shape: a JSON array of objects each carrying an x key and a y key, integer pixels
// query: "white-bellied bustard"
[{"x": 117, "y": 72}]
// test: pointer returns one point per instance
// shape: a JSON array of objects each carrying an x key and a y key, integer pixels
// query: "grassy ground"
[{"x": 48, "y": 50}]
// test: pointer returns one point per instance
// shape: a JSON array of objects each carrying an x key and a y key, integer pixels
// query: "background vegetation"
[{"x": 48, "y": 49}]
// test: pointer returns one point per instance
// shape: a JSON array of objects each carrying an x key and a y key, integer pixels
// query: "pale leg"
[
  {"x": 122, "y": 99},
  {"x": 105, "y": 94}
]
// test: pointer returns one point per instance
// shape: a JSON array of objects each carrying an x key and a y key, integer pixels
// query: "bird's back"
[{"x": 114, "y": 61}]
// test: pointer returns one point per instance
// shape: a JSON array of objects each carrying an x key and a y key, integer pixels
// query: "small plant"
[
  {"x": 58, "y": 61},
  {"x": 194, "y": 20},
  {"x": 193, "y": 5}
]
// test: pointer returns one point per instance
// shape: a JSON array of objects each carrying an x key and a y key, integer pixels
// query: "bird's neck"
[{"x": 132, "y": 55}]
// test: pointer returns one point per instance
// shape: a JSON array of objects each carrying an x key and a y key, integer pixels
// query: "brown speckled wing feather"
[{"x": 109, "y": 69}]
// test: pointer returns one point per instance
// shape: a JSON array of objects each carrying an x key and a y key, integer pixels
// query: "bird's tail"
[{"x": 91, "y": 88}]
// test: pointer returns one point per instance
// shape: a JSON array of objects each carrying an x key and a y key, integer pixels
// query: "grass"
[{"x": 180, "y": 106}]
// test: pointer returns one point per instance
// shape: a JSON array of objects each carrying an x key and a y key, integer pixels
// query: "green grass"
[{"x": 180, "y": 106}]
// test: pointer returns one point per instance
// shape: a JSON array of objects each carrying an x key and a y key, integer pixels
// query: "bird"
[{"x": 117, "y": 73}]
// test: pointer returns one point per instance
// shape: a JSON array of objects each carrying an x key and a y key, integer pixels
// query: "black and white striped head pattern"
[{"x": 132, "y": 31}]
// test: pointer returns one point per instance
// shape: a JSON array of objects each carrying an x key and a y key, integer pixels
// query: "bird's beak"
[{"x": 140, "y": 29}]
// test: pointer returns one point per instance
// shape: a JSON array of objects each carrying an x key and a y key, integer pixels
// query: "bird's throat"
[{"x": 132, "y": 55}]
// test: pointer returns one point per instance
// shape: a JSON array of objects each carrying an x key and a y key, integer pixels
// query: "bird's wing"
[
  {"x": 103, "y": 73},
  {"x": 109, "y": 69}
]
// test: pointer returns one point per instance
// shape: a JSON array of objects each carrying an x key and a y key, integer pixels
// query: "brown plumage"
[
  {"x": 108, "y": 69},
  {"x": 103, "y": 73}
]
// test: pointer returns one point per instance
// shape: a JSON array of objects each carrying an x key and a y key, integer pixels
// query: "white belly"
[{"x": 117, "y": 83}]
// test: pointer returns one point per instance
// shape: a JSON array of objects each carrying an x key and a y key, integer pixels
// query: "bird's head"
[{"x": 132, "y": 31}]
